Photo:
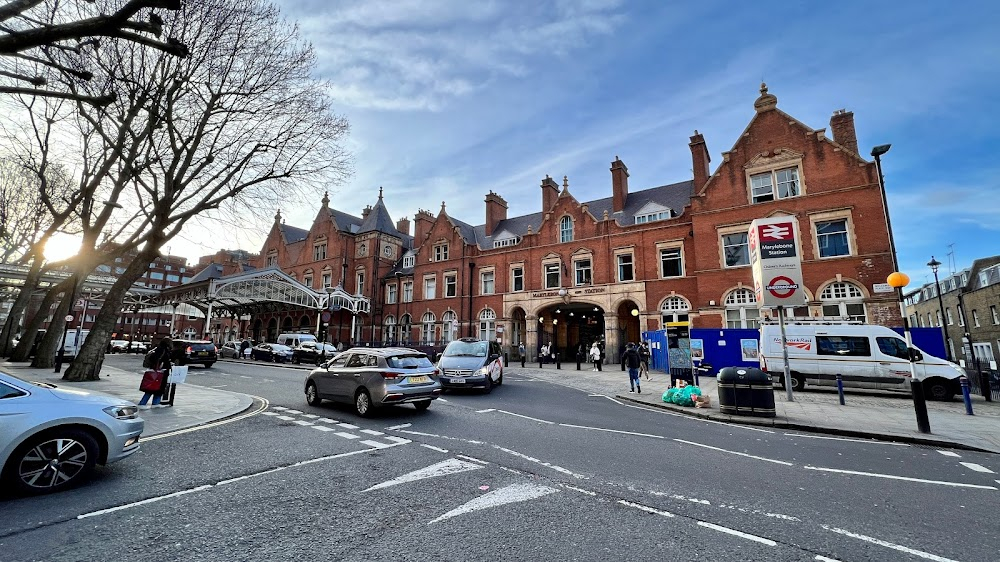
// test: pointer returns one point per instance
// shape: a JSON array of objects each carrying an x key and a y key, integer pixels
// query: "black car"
[
  {"x": 271, "y": 352},
  {"x": 313, "y": 352},
  {"x": 185, "y": 352}
]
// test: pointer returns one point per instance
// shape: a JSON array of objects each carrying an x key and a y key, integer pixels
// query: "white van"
[
  {"x": 295, "y": 340},
  {"x": 73, "y": 346},
  {"x": 865, "y": 355}
]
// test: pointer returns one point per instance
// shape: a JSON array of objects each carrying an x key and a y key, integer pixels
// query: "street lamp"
[
  {"x": 934, "y": 265},
  {"x": 899, "y": 280}
]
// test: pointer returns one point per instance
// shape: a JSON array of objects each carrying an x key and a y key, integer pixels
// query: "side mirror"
[{"x": 916, "y": 355}]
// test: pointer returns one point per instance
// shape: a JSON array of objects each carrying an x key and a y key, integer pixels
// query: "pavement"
[
  {"x": 193, "y": 405},
  {"x": 877, "y": 415}
]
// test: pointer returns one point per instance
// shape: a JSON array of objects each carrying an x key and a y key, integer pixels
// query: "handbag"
[{"x": 152, "y": 381}]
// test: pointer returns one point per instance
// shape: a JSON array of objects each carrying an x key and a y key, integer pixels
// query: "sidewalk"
[
  {"x": 866, "y": 414},
  {"x": 193, "y": 405}
]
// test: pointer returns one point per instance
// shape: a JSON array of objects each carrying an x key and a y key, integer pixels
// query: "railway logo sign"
[{"x": 775, "y": 260}]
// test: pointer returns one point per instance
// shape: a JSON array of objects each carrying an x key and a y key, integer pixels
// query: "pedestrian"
[
  {"x": 644, "y": 356},
  {"x": 632, "y": 360},
  {"x": 520, "y": 349},
  {"x": 600, "y": 345},
  {"x": 161, "y": 362},
  {"x": 544, "y": 353},
  {"x": 244, "y": 347},
  {"x": 595, "y": 356}
]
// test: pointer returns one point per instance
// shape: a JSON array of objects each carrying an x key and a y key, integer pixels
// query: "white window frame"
[
  {"x": 975, "y": 318},
  {"x": 427, "y": 322},
  {"x": 583, "y": 274},
  {"x": 846, "y": 296},
  {"x": 947, "y": 314},
  {"x": 430, "y": 287},
  {"x": 774, "y": 181},
  {"x": 359, "y": 281},
  {"x": 450, "y": 284},
  {"x": 307, "y": 280},
  {"x": 675, "y": 308},
  {"x": 449, "y": 324},
  {"x": 409, "y": 261},
  {"x": 408, "y": 291},
  {"x": 487, "y": 324},
  {"x": 405, "y": 328},
  {"x": 660, "y": 250},
  {"x": 741, "y": 309},
  {"x": 319, "y": 251},
  {"x": 545, "y": 274},
  {"x": 995, "y": 314},
  {"x": 389, "y": 329},
  {"x": 651, "y": 217},
  {"x": 565, "y": 229},
  {"x": 441, "y": 251},
  {"x": 391, "y": 293},
  {"x": 516, "y": 273},
  {"x": 631, "y": 265},
  {"x": 327, "y": 280},
  {"x": 487, "y": 282},
  {"x": 818, "y": 237}
]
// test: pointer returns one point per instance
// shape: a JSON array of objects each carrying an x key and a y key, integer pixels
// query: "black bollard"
[
  {"x": 964, "y": 381},
  {"x": 506, "y": 359},
  {"x": 840, "y": 388},
  {"x": 558, "y": 366},
  {"x": 522, "y": 360}
]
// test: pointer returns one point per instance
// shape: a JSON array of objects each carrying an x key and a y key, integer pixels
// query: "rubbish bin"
[
  {"x": 681, "y": 374},
  {"x": 745, "y": 392}
]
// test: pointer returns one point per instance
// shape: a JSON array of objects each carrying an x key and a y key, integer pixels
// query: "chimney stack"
[
  {"x": 550, "y": 192},
  {"x": 619, "y": 185},
  {"x": 403, "y": 225},
  {"x": 842, "y": 125},
  {"x": 422, "y": 223},
  {"x": 700, "y": 160},
  {"x": 496, "y": 211},
  {"x": 365, "y": 212}
]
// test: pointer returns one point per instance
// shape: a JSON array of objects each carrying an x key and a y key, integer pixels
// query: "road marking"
[
  {"x": 441, "y": 400},
  {"x": 310, "y": 416},
  {"x": 443, "y": 468},
  {"x": 346, "y": 435},
  {"x": 399, "y": 440},
  {"x": 433, "y": 448},
  {"x": 286, "y": 418},
  {"x": 371, "y": 432},
  {"x": 400, "y": 426},
  {"x": 735, "y": 452},
  {"x": 303, "y": 422},
  {"x": 736, "y": 533},
  {"x": 219, "y": 386},
  {"x": 950, "y": 454},
  {"x": 287, "y": 411},
  {"x": 825, "y": 559},
  {"x": 646, "y": 508},
  {"x": 473, "y": 459},
  {"x": 347, "y": 426},
  {"x": 270, "y": 413},
  {"x": 143, "y": 502},
  {"x": 906, "y": 478},
  {"x": 322, "y": 428},
  {"x": 287, "y": 466},
  {"x": 278, "y": 408},
  {"x": 327, "y": 420},
  {"x": 575, "y": 489},
  {"x": 976, "y": 467},
  {"x": 486, "y": 410},
  {"x": 508, "y": 494},
  {"x": 695, "y": 418},
  {"x": 245, "y": 377},
  {"x": 377, "y": 444},
  {"x": 263, "y": 406},
  {"x": 608, "y": 397},
  {"x": 613, "y": 430},
  {"x": 543, "y": 463},
  {"x": 421, "y": 433},
  {"x": 898, "y": 547},
  {"x": 526, "y": 417},
  {"x": 869, "y": 441}
]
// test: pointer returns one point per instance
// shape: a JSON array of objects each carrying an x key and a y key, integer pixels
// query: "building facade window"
[
  {"x": 430, "y": 288},
  {"x": 937, "y": 313},
  {"x": 360, "y": 280},
  {"x": 961, "y": 316},
  {"x": 995, "y": 315},
  {"x": 409, "y": 261},
  {"x": 650, "y": 217},
  {"x": 736, "y": 249},
  {"x": 487, "y": 283},
  {"x": 517, "y": 279},
  {"x": 427, "y": 328},
  {"x": 319, "y": 252},
  {"x": 327, "y": 280},
  {"x": 581, "y": 269},
  {"x": 440, "y": 252},
  {"x": 741, "y": 309},
  {"x": 947, "y": 314},
  {"x": 777, "y": 184},
  {"x": 389, "y": 333},
  {"x": 505, "y": 242},
  {"x": 449, "y": 326},
  {"x": 671, "y": 263},
  {"x": 391, "y": 293},
  {"x": 565, "y": 229},
  {"x": 832, "y": 239},
  {"x": 450, "y": 285},
  {"x": 674, "y": 309},
  {"x": 626, "y": 271},
  {"x": 272, "y": 260},
  {"x": 843, "y": 300},
  {"x": 975, "y": 318},
  {"x": 405, "y": 328},
  {"x": 553, "y": 275},
  {"x": 487, "y": 325},
  {"x": 408, "y": 291}
]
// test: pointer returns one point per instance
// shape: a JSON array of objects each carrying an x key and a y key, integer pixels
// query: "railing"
[{"x": 980, "y": 379}]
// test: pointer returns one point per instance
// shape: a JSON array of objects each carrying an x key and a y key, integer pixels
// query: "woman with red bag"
[{"x": 161, "y": 365}]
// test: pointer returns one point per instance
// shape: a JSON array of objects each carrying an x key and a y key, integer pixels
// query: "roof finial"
[
  {"x": 326, "y": 199},
  {"x": 766, "y": 101},
  {"x": 565, "y": 183},
  {"x": 442, "y": 206},
  {"x": 763, "y": 88},
  {"x": 277, "y": 216},
  {"x": 380, "y": 192}
]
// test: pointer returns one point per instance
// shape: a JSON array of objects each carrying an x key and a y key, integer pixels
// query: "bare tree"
[
  {"x": 240, "y": 121},
  {"x": 46, "y": 40}
]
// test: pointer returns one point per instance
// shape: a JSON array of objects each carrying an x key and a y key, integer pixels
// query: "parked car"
[
  {"x": 185, "y": 352},
  {"x": 274, "y": 352},
  {"x": 118, "y": 346},
  {"x": 138, "y": 347},
  {"x": 230, "y": 350},
  {"x": 294, "y": 340},
  {"x": 313, "y": 352},
  {"x": 370, "y": 378},
  {"x": 51, "y": 438},
  {"x": 471, "y": 363}
]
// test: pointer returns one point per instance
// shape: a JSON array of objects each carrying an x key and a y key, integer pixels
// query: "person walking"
[
  {"x": 161, "y": 362},
  {"x": 632, "y": 361},
  {"x": 644, "y": 357},
  {"x": 595, "y": 356}
]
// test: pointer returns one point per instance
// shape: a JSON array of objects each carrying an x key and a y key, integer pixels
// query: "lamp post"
[
  {"x": 934, "y": 265},
  {"x": 899, "y": 280},
  {"x": 877, "y": 153}
]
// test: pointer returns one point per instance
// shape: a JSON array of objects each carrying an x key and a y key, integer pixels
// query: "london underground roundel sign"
[{"x": 782, "y": 287}]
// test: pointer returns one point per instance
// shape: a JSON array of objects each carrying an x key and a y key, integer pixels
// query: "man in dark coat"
[
  {"x": 161, "y": 362},
  {"x": 632, "y": 360}
]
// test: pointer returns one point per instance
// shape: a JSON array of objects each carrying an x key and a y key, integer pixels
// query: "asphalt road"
[{"x": 533, "y": 471}]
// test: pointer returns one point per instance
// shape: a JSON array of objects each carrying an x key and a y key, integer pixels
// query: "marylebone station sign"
[{"x": 776, "y": 262}]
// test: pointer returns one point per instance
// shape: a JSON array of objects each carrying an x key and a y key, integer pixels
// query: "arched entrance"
[
  {"x": 628, "y": 324},
  {"x": 570, "y": 328},
  {"x": 258, "y": 326},
  {"x": 272, "y": 330}
]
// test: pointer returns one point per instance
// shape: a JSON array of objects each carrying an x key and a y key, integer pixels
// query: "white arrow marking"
[
  {"x": 509, "y": 494},
  {"x": 443, "y": 468},
  {"x": 400, "y": 426},
  {"x": 950, "y": 454},
  {"x": 976, "y": 467}
]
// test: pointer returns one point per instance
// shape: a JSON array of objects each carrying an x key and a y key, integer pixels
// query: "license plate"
[
  {"x": 202, "y": 353},
  {"x": 420, "y": 379},
  {"x": 457, "y": 381}
]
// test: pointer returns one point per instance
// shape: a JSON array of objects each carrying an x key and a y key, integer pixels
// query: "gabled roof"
[
  {"x": 211, "y": 271},
  {"x": 292, "y": 234},
  {"x": 345, "y": 222},
  {"x": 378, "y": 220}
]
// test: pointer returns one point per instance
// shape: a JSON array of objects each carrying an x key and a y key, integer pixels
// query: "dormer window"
[
  {"x": 319, "y": 252},
  {"x": 441, "y": 252},
  {"x": 506, "y": 241},
  {"x": 272, "y": 259},
  {"x": 775, "y": 184},
  {"x": 662, "y": 215},
  {"x": 408, "y": 261}
]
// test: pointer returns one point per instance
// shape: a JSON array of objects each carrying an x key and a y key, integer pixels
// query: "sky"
[{"x": 450, "y": 99}]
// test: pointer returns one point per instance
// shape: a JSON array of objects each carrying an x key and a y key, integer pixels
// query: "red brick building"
[{"x": 579, "y": 271}]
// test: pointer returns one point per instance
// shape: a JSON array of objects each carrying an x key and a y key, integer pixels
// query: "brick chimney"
[
  {"x": 496, "y": 211},
  {"x": 403, "y": 225},
  {"x": 700, "y": 160},
  {"x": 619, "y": 185},
  {"x": 842, "y": 125},
  {"x": 550, "y": 192},
  {"x": 422, "y": 223},
  {"x": 365, "y": 212}
]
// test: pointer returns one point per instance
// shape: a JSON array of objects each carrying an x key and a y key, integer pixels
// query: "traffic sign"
[
  {"x": 325, "y": 316},
  {"x": 69, "y": 318}
]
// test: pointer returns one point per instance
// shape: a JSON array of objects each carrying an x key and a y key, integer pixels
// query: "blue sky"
[{"x": 450, "y": 99}]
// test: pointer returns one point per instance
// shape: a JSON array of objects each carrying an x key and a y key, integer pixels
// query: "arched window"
[
  {"x": 449, "y": 326},
  {"x": 675, "y": 309},
  {"x": 741, "y": 309},
  {"x": 566, "y": 229},
  {"x": 844, "y": 300},
  {"x": 487, "y": 325},
  {"x": 404, "y": 329},
  {"x": 389, "y": 333},
  {"x": 427, "y": 328}
]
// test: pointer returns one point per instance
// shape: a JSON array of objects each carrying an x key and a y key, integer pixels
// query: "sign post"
[{"x": 775, "y": 260}]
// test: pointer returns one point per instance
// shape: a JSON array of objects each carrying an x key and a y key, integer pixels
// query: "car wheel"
[
  {"x": 798, "y": 382},
  {"x": 363, "y": 403},
  {"x": 938, "y": 389},
  {"x": 295, "y": 360},
  {"x": 209, "y": 365},
  {"x": 422, "y": 405},
  {"x": 53, "y": 461},
  {"x": 489, "y": 384},
  {"x": 312, "y": 395}
]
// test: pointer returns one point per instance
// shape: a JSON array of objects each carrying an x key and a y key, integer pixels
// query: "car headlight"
[
  {"x": 483, "y": 371},
  {"x": 122, "y": 412}
]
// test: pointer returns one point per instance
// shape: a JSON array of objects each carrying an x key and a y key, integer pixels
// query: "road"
[{"x": 534, "y": 471}]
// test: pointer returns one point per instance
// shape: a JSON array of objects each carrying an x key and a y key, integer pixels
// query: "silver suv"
[{"x": 370, "y": 378}]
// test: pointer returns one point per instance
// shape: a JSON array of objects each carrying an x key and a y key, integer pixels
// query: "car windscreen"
[
  {"x": 408, "y": 362},
  {"x": 465, "y": 349}
]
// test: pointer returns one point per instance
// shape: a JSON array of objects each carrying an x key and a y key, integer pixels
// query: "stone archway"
[
  {"x": 629, "y": 329},
  {"x": 570, "y": 327}
]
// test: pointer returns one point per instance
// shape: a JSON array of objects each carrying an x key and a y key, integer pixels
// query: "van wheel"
[
  {"x": 798, "y": 382},
  {"x": 938, "y": 389}
]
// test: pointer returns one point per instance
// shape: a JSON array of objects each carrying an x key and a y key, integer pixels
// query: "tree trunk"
[
  {"x": 46, "y": 351},
  {"x": 85, "y": 366},
  {"x": 23, "y": 349},
  {"x": 18, "y": 307}
]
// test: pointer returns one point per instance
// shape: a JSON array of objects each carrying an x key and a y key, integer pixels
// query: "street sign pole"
[{"x": 784, "y": 355}]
